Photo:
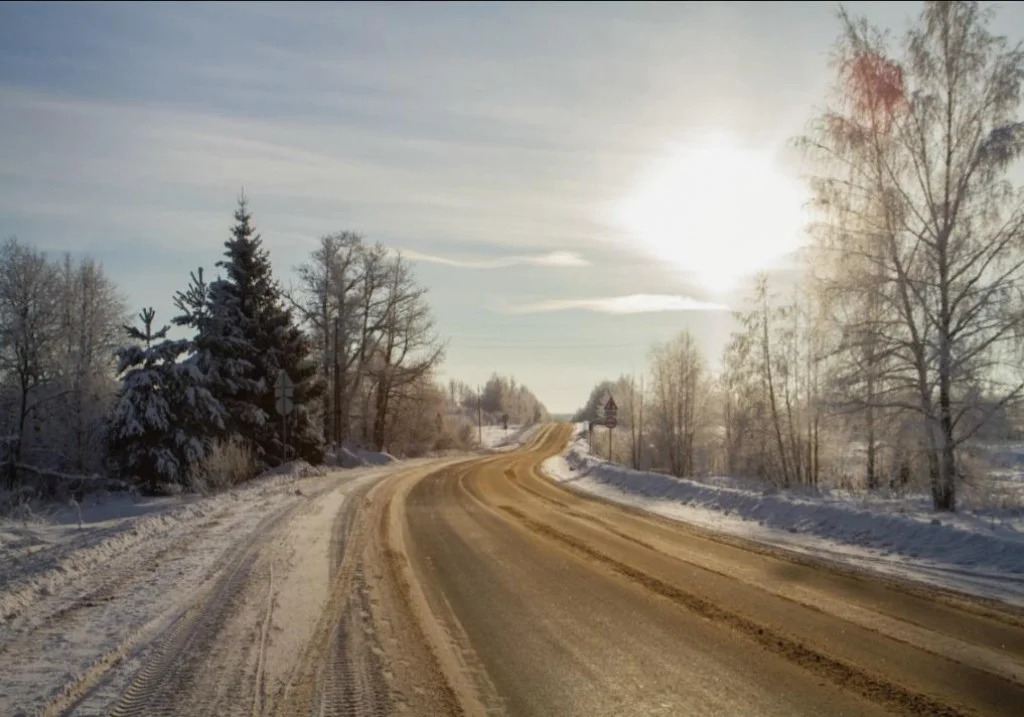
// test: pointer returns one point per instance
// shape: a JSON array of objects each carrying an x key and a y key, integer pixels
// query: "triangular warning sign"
[{"x": 611, "y": 405}]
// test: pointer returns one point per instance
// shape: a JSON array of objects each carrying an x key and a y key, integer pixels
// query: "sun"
[{"x": 717, "y": 211}]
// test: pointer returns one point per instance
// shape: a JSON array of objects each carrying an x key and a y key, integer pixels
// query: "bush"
[
  {"x": 466, "y": 435},
  {"x": 226, "y": 465}
]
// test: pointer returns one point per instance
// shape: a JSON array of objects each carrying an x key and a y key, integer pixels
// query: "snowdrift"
[
  {"x": 895, "y": 537},
  {"x": 350, "y": 457}
]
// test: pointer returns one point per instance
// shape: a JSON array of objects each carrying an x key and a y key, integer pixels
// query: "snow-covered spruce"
[
  {"x": 164, "y": 416},
  {"x": 244, "y": 336}
]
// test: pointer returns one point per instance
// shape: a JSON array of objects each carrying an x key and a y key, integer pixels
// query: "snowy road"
[{"x": 479, "y": 586}]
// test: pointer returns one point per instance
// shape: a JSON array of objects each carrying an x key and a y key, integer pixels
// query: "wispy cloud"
[
  {"x": 562, "y": 259},
  {"x": 631, "y": 304}
]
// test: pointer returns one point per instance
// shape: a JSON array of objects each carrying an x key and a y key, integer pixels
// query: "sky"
[{"x": 573, "y": 182}]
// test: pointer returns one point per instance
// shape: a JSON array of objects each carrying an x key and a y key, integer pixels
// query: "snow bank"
[
  {"x": 40, "y": 557},
  {"x": 966, "y": 551},
  {"x": 351, "y": 457}
]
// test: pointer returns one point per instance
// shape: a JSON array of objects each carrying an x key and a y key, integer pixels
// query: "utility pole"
[{"x": 479, "y": 417}]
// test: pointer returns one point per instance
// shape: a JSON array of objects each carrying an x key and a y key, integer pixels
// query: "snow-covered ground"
[
  {"x": 41, "y": 552},
  {"x": 83, "y": 588},
  {"x": 980, "y": 552},
  {"x": 496, "y": 438}
]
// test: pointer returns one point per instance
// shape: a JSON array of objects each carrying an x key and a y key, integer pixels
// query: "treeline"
[
  {"x": 499, "y": 397},
  {"x": 901, "y": 349},
  {"x": 88, "y": 395}
]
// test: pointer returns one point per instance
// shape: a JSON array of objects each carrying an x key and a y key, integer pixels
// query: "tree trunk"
[
  {"x": 337, "y": 434},
  {"x": 640, "y": 432},
  {"x": 944, "y": 484},
  {"x": 771, "y": 397},
  {"x": 872, "y": 476},
  {"x": 12, "y": 476},
  {"x": 380, "y": 416},
  {"x": 632, "y": 424},
  {"x": 944, "y": 490}
]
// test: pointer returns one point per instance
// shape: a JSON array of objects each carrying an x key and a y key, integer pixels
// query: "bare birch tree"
[
  {"x": 29, "y": 325},
  {"x": 916, "y": 154}
]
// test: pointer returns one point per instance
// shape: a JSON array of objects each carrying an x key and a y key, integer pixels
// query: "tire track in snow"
[
  {"x": 259, "y": 690},
  {"x": 335, "y": 677},
  {"x": 353, "y": 681},
  {"x": 169, "y": 668},
  {"x": 146, "y": 640}
]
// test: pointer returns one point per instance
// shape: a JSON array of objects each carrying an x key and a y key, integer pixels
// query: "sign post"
[
  {"x": 611, "y": 412},
  {"x": 284, "y": 390}
]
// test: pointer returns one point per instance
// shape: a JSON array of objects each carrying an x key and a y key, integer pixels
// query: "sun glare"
[{"x": 717, "y": 211}]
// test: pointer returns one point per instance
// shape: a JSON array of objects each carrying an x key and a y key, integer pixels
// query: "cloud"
[
  {"x": 561, "y": 259},
  {"x": 631, "y": 304}
]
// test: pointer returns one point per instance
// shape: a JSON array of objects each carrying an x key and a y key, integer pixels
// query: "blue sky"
[{"x": 488, "y": 136}]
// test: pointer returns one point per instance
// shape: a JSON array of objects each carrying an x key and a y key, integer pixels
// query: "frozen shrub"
[{"x": 227, "y": 464}]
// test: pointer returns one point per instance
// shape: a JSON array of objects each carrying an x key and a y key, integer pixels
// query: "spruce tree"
[
  {"x": 244, "y": 336},
  {"x": 290, "y": 349},
  {"x": 164, "y": 416}
]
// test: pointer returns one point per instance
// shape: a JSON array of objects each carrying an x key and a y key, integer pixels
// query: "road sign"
[
  {"x": 284, "y": 384},
  {"x": 284, "y": 390},
  {"x": 611, "y": 411},
  {"x": 611, "y": 406},
  {"x": 284, "y": 406}
]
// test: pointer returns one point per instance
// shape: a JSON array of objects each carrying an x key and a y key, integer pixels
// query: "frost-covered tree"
[
  {"x": 925, "y": 225},
  {"x": 244, "y": 337},
  {"x": 679, "y": 391},
  {"x": 407, "y": 348},
  {"x": 338, "y": 299},
  {"x": 59, "y": 327},
  {"x": 374, "y": 333},
  {"x": 91, "y": 313},
  {"x": 28, "y": 335},
  {"x": 164, "y": 416}
]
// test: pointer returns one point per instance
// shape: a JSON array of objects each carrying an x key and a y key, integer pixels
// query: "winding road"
[{"x": 477, "y": 586}]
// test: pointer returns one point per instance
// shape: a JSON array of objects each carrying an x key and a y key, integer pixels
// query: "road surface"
[{"x": 476, "y": 586}]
